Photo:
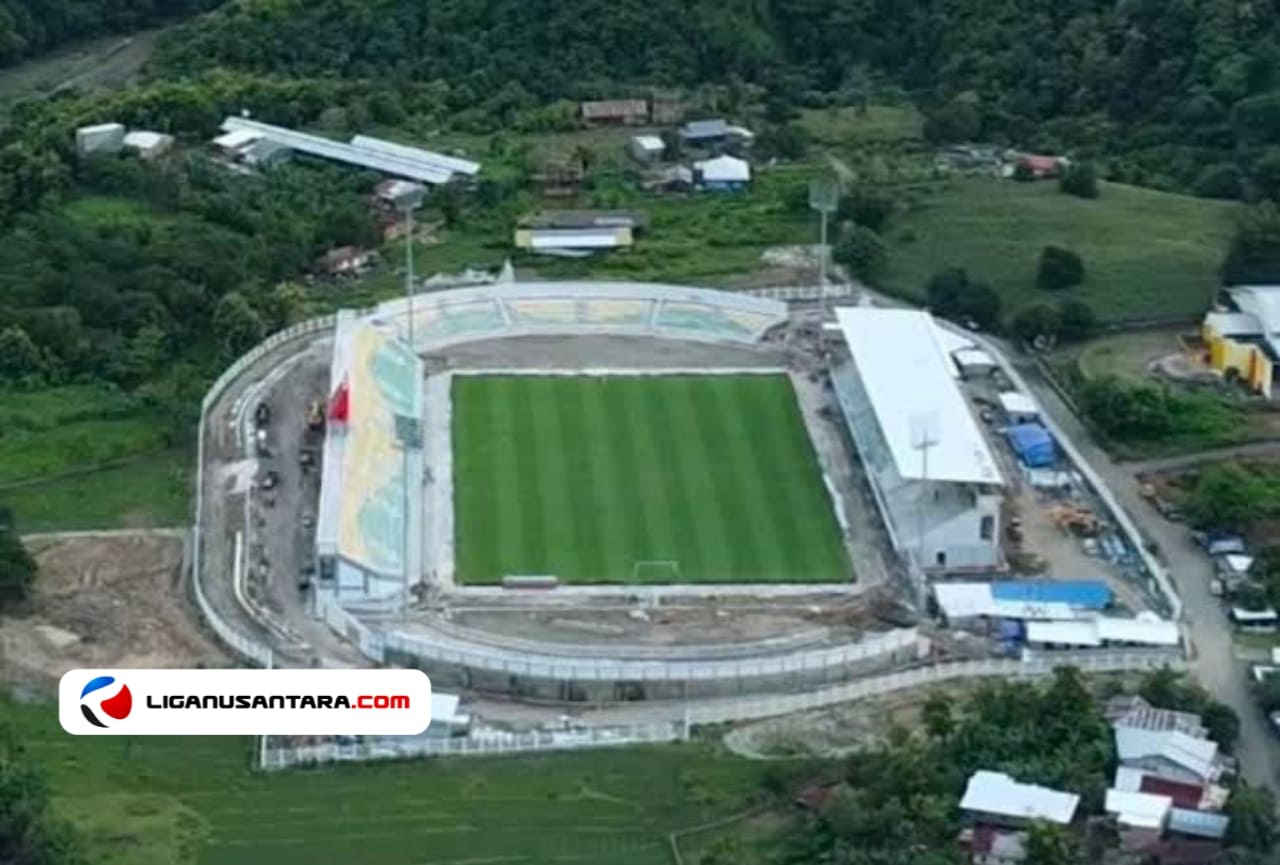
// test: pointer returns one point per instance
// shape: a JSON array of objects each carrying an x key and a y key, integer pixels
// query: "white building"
[
  {"x": 932, "y": 472},
  {"x": 996, "y": 797},
  {"x": 102, "y": 138},
  {"x": 1019, "y": 408},
  {"x": 973, "y": 362},
  {"x": 646, "y": 148},
  {"x": 148, "y": 145},
  {"x": 1169, "y": 754},
  {"x": 723, "y": 173}
]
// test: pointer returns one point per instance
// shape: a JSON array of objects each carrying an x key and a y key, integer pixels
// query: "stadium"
[{"x": 572, "y": 452}]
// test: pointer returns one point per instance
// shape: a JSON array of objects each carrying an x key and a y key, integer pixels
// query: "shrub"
[
  {"x": 861, "y": 252},
  {"x": 1079, "y": 179},
  {"x": 1038, "y": 323},
  {"x": 1059, "y": 268},
  {"x": 952, "y": 294},
  {"x": 1079, "y": 321}
]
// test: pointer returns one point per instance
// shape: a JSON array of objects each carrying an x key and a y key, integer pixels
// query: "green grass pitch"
[
  {"x": 171, "y": 800},
  {"x": 582, "y": 477}
]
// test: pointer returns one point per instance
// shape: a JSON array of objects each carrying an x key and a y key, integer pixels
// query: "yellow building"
[{"x": 1246, "y": 339}]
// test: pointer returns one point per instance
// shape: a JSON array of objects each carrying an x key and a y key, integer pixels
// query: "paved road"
[{"x": 1213, "y": 663}]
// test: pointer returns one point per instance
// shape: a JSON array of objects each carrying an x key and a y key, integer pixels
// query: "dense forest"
[
  {"x": 30, "y": 27},
  {"x": 1182, "y": 94}
]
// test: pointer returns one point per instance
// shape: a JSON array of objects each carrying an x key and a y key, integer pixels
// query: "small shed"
[
  {"x": 148, "y": 145},
  {"x": 231, "y": 143},
  {"x": 102, "y": 138},
  {"x": 1033, "y": 444},
  {"x": 705, "y": 132},
  {"x": 973, "y": 362},
  {"x": 1019, "y": 408},
  {"x": 723, "y": 174},
  {"x": 646, "y": 148},
  {"x": 343, "y": 261},
  {"x": 265, "y": 153},
  {"x": 628, "y": 112},
  {"x": 1255, "y": 620}
]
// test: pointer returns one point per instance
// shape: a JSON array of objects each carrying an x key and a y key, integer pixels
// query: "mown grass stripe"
[
  {"x": 602, "y": 509},
  {"x": 627, "y": 485},
  {"x": 650, "y": 465},
  {"x": 755, "y": 535},
  {"x": 672, "y": 422},
  {"x": 530, "y": 441},
  {"x": 558, "y": 486}
]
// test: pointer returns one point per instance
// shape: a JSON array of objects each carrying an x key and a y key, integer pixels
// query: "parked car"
[
  {"x": 1220, "y": 543},
  {"x": 262, "y": 415},
  {"x": 270, "y": 480}
]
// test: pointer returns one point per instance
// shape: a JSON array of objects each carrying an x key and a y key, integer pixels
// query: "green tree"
[
  {"x": 784, "y": 140},
  {"x": 1078, "y": 320},
  {"x": 30, "y": 834},
  {"x": 937, "y": 715},
  {"x": 1225, "y": 496},
  {"x": 236, "y": 323},
  {"x": 1050, "y": 844},
  {"x": 17, "y": 573},
  {"x": 19, "y": 357},
  {"x": 1059, "y": 268},
  {"x": 1253, "y": 818},
  {"x": 1079, "y": 179},
  {"x": 952, "y": 294},
  {"x": 956, "y": 121},
  {"x": 1254, "y": 253},
  {"x": 1038, "y": 324},
  {"x": 861, "y": 252},
  {"x": 866, "y": 206}
]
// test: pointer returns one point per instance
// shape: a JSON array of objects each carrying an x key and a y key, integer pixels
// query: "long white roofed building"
[{"x": 934, "y": 476}]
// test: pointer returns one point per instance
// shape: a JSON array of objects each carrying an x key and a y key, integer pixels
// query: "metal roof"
[
  {"x": 649, "y": 142},
  {"x": 1202, "y": 824},
  {"x": 1142, "y": 810},
  {"x": 1088, "y": 594},
  {"x": 910, "y": 382},
  {"x": 1233, "y": 323},
  {"x": 417, "y": 154},
  {"x": 997, "y": 793},
  {"x": 705, "y": 129},
  {"x": 336, "y": 150},
  {"x": 144, "y": 140},
  {"x": 970, "y": 356},
  {"x": 580, "y": 238},
  {"x": 1146, "y": 630},
  {"x": 724, "y": 169},
  {"x": 1014, "y": 402},
  {"x": 1079, "y": 633},
  {"x": 969, "y": 600},
  {"x": 236, "y": 138},
  {"x": 1197, "y": 756}
]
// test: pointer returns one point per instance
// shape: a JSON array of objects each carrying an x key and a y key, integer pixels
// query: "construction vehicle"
[
  {"x": 315, "y": 415},
  {"x": 1081, "y": 522}
]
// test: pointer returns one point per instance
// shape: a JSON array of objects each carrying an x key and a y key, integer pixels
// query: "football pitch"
[
  {"x": 171, "y": 800},
  {"x": 639, "y": 479}
]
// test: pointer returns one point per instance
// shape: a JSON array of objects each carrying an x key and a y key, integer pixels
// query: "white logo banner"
[{"x": 244, "y": 702}]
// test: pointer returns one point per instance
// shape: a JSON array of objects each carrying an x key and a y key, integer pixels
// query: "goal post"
[{"x": 655, "y": 571}]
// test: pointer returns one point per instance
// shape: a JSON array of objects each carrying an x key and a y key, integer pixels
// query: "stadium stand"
[{"x": 373, "y": 446}]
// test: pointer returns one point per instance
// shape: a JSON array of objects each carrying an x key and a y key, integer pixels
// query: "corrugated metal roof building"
[
  {"x": 996, "y": 794},
  {"x": 1083, "y": 594}
]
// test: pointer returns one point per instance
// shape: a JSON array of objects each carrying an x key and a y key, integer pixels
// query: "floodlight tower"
[
  {"x": 407, "y": 198},
  {"x": 926, "y": 433},
  {"x": 824, "y": 197}
]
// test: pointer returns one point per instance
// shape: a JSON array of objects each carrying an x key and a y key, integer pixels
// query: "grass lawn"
[
  {"x": 584, "y": 477},
  {"x": 877, "y": 124},
  {"x": 150, "y": 491},
  {"x": 53, "y": 442},
  {"x": 1146, "y": 253},
  {"x": 182, "y": 801}
]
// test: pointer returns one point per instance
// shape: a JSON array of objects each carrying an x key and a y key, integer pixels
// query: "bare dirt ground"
[
  {"x": 840, "y": 729},
  {"x": 691, "y": 622},
  {"x": 105, "y": 601}
]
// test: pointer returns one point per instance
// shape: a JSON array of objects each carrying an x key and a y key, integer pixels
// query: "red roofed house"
[
  {"x": 992, "y": 845},
  {"x": 1184, "y": 795},
  {"x": 1041, "y": 167}
]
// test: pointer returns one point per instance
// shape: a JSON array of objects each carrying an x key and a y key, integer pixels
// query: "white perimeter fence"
[{"x": 492, "y": 743}]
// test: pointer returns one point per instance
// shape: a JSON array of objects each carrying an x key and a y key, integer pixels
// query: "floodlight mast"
[
  {"x": 824, "y": 195},
  {"x": 925, "y": 434}
]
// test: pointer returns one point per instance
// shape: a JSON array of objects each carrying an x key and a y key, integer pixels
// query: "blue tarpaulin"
[
  {"x": 1087, "y": 594},
  {"x": 1033, "y": 444}
]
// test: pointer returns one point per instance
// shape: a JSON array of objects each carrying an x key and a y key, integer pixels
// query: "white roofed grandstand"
[
  {"x": 934, "y": 476},
  {"x": 427, "y": 157},
  {"x": 434, "y": 168}
]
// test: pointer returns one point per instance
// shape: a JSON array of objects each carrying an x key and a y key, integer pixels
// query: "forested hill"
[
  {"x": 1176, "y": 85},
  {"x": 30, "y": 27}
]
